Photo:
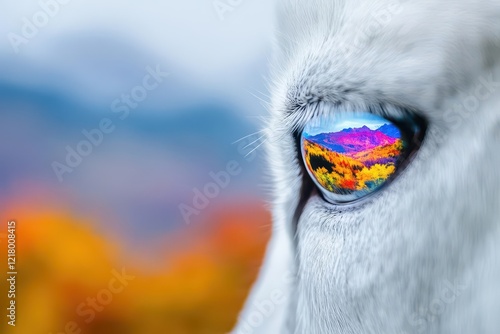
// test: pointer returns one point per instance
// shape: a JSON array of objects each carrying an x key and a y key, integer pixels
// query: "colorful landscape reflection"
[{"x": 354, "y": 154}]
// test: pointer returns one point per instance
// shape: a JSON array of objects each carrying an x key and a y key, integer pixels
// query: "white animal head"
[{"x": 423, "y": 254}]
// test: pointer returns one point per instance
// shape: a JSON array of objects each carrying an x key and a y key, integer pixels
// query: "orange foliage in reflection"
[{"x": 344, "y": 173}]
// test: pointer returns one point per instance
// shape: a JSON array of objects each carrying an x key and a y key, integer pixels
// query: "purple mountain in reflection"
[
  {"x": 351, "y": 141},
  {"x": 390, "y": 130}
]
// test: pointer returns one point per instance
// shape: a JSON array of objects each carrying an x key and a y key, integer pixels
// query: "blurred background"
[{"x": 129, "y": 156}]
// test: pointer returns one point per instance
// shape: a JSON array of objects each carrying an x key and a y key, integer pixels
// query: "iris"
[{"x": 351, "y": 155}]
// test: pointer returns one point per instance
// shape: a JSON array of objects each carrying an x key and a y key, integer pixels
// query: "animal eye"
[{"x": 352, "y": 155}]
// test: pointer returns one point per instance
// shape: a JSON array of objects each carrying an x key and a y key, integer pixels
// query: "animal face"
[{"x": 420, "y": 254}]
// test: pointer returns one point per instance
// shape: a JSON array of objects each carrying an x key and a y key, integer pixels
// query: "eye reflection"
[{"x": 350, "y": 155}]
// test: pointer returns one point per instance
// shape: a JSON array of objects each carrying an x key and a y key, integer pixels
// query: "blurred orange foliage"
[{"x": 198, "y": 288}]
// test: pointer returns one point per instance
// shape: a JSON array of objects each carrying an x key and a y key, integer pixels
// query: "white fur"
[{"x": 423, "y": 256}]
